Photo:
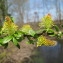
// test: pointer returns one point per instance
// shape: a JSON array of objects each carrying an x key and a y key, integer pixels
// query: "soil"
[{"x": 15, "y": 55}]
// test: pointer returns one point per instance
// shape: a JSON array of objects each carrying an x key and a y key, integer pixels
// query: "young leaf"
[
  {"x": 56, "y": 28},
  {"x": 50, "y": 32},
  {"x": 1, "y": 40},
  {"x": 16, "y": 42},
  {"x": 26, "y": 29},
  {"x": 31, "y": 32},
  {"x": 18, "y": 35},
  {"x": 7, "y": 39}
]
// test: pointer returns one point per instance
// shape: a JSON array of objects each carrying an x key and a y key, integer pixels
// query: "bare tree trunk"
[
  {"x": 3, "y": 11},
  {"x": 58, "y": 11},
  {"x": 3, "y": 8}
]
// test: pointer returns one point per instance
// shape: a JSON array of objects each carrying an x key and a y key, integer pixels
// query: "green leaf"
[
  {"x": 18, "y": 35},
  {"x": 32, "y": 33},
  {"x": 50, "y": 32},
  {"x": 1, "y": 40},
  {"x": 7, "y": 39},
  {"x": 56, "y": 28},
  {"x": 40, "y": 31},
  {"x": 52, "y": 35},
  {"x": 16, "y": 42}
]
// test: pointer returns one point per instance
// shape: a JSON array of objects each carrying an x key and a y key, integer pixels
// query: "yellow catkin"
[
  {"x": 9, "y": 27},
  {"x": 44, "y": 41},
  {"x": 46, "y": 21},
  {"x": 26, "y": 28},
  {"x": 48, "y": 16}
]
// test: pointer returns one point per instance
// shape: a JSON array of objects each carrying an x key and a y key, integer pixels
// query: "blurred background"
[{"x": 31, "y": 11}]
